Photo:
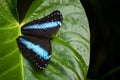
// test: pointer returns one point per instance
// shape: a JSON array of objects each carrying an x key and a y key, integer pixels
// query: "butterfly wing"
[
  {"x": 37, "y": 50},
  {"x": 45, "y": 27}
]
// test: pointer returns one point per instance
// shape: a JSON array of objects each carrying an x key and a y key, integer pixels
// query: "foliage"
[{"x": 70, "y": 46}]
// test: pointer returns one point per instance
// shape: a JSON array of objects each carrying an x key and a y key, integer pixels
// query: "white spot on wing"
[
  {"x": 36, "y": 63},
  {"x": 57, "y": 13},
  {"x": 45, "y": 64},
  {"x": 38, "y": 66}
]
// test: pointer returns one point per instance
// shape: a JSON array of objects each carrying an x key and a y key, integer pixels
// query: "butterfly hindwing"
[
  {"x": 37, "y": 50},
  {"x": 45, "y": 27}
]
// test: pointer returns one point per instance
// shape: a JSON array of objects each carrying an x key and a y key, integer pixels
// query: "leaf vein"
[
  {"x": 8, "y": 41},
  {"x": 8, "y": 28},
  {"x": 9, "y": 70},
  {"x": 74, "y": 33},
  {"x": 8, "y": 54}
]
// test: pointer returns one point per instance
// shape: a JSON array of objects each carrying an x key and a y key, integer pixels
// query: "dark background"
[{"x": 104, "y": 22}]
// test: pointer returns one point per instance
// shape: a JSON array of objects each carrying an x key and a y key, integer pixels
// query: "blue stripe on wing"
[
  {"x": 44, "y": 25},
  {"x": 36, "y": 49}
]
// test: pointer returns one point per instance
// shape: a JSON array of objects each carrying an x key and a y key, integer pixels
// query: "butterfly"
[{"x": 35, "y": 44}]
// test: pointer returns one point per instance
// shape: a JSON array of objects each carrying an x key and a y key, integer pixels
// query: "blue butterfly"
[{"x": 35, "y": 44}]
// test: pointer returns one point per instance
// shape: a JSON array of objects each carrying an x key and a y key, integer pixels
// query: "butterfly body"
[{"x": 35, "y": 44}]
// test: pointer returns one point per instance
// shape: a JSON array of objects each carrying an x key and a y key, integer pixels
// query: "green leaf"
[
  {"x": 70, "y": 46},
  {"x": 10, "y": 58}
]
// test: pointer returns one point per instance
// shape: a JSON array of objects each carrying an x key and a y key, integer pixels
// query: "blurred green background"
[{"x": 104, "y": 21}]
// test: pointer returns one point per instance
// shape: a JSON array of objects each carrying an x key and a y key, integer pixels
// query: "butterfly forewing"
[
  {"x": 45, "y": 27},
  {"x": 37, "y": 50}
]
